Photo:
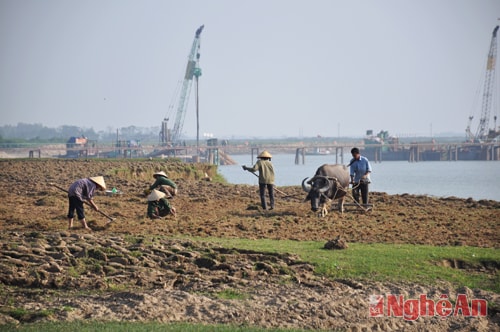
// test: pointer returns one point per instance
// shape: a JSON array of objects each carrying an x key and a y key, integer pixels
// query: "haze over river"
[{"x": 464, "y": 179}]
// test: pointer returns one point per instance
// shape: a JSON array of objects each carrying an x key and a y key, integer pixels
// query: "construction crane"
[
  {"x": 192, "y": 71},
  {"x": 483, "y": 133}
]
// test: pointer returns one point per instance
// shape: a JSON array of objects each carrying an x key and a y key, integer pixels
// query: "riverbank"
[{"x": 138, "y": 269}]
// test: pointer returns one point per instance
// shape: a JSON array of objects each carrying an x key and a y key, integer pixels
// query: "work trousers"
[
  {"x": 75, "y": 204},
  {"x": 262, "y": 192},
  {"x": 363, "y": 188}
]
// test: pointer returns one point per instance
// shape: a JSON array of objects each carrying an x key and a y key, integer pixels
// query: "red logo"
[{"x": 411, "y": 309}]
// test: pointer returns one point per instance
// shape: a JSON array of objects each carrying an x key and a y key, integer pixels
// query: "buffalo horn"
[
  {"x": 327, "y": 183},
  {"x": 305, "y": 187}
]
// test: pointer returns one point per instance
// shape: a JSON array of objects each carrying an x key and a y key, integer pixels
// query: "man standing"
[
  {"x": 266, "y": 177},
  {"x": 80, "y": 191},
  {"x": 360, "y": 169}
]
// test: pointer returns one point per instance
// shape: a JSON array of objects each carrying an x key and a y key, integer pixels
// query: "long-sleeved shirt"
[
  {"x": 359, "y": 167},
  {"x": 162, "y": 181},
  {"x": 84, "y": 189},
  {"x": 159, "y": 206},
  {"x": 266, "y": 171}
]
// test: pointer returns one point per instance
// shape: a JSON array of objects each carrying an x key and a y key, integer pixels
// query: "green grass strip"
[
  {"x": 421, "y": 264},
  {"x": 92, "y": 326}
]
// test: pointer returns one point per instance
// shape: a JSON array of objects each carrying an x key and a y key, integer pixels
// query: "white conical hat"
[
  {"x": 155, "y": 195},
  {"x": 161, "y": 173},
  {"x": 99, "y": 180},
  {"x": 265, "y": 154}
]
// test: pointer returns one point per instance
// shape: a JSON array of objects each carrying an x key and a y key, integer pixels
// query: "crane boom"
[
  {"x": 489, "y": 85},
  {"x": 192, "y": 70}
]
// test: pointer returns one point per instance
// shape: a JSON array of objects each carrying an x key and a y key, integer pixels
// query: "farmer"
[
  {"x": 266, "y": 177},
  {"x": 164, "y": 184},
  {"x": 158, "y": 205},
  {"x": 360, "y": 170},
  {"x": 80, "y": 191}
]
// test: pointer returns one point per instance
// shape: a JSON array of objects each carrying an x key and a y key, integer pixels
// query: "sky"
[{"x": 270, "y": 68}]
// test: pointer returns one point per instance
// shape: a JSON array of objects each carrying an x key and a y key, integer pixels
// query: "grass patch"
[
  {"x": 136, "y": 253},
  {"x": 135, "y": 327},
  {"x": 25, "y": 315},
  {"x": 388, "y": 262},
  {"x": 232, "y": 294}
]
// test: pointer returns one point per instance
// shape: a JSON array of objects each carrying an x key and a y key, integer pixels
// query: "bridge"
[{"x": 220, "y": 154}]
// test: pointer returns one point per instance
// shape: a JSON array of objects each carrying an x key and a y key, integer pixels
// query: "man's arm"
[
  {"x": 368, "y": 169},
  {"x": 154, "y": 185},
  {"x": 255, "y": 168}
]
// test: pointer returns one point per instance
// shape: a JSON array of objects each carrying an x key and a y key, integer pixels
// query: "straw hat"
[
  {"x": 99, "y": 180},
  {"x": 264, "y": 154},
  {"x": 161, "y": 173},
  {"x": 155, "y": 195}
]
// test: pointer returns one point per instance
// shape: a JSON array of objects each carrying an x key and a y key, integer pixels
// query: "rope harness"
[{"x": 349, "y": 194}]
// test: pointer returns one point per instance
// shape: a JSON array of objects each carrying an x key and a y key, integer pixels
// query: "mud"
[{"x": 138, "y": 269}]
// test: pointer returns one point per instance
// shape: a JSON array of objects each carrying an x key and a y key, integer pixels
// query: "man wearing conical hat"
[
  {"x": 266, "y": 177},
  {"x": 158, "y": 205},
  {"x": 164, "y": 184},
  {"x": 80, "y": 191}
]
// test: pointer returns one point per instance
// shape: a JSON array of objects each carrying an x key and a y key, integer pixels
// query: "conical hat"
[
  {"x": 155, "y": 195},
  {"x": 161, "y": 173},
  {"x": 99, "y": 180},
  {"x": 265, "y": 154}
]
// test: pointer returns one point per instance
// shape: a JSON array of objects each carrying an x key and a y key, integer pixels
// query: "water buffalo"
[{"x": 330, "y": 182}]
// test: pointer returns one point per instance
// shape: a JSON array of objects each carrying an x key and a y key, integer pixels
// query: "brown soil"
[{"x": 178, "y": 280}]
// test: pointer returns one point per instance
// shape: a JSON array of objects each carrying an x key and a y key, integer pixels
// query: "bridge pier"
[
  {"x": 31, "y": 154},
  {"x": 213, "y": 156},
  {"x": 337, "y": 150},
  {"x": 414, "y": 153},
  {"x": 496, "y": 152},
  {"x": 256, "y": 151},
  {"x": 300, "y": 152}
]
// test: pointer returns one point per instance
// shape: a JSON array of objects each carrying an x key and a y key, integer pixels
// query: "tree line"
[{"x": 38, "y": 133}]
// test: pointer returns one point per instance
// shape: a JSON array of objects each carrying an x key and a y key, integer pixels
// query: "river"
[{"x": 464, "y": 179}]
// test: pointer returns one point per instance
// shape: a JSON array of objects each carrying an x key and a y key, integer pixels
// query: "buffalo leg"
[
  {"x": 341, "y": 205},
  {"x": 324, "y": 210}
]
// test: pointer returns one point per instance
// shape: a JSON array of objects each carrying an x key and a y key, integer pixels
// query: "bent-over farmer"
[
  {"x": 158, "y": 205},
  {"x": 80, "y": 191},
  {"x": 266, "y": 177},
  {"x": 164, "y": 184}
]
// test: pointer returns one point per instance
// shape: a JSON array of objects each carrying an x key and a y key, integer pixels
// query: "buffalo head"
[{"x": 315, "y": 189}]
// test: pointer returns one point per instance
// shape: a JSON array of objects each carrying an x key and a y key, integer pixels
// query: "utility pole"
[{"x": 197, "y": 116}]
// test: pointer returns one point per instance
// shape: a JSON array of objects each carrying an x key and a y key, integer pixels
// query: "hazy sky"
[{"x": 270, "y": 67}]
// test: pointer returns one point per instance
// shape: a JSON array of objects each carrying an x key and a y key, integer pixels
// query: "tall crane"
[
  {"x": 483, "y": 132},
  {"x": 192, "y": 70}
]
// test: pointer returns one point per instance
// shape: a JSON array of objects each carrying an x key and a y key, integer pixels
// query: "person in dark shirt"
[
  {"x": 158, "y": 205},
  {"x": 164, "y": 184}
]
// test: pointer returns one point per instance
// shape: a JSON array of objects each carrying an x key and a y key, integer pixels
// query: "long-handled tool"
[
  {"x": 273, "y": 186},
  {"x": 111, "y": 219}
]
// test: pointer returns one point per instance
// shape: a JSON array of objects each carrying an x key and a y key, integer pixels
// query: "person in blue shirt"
[{"x": 360, "y": 170}]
